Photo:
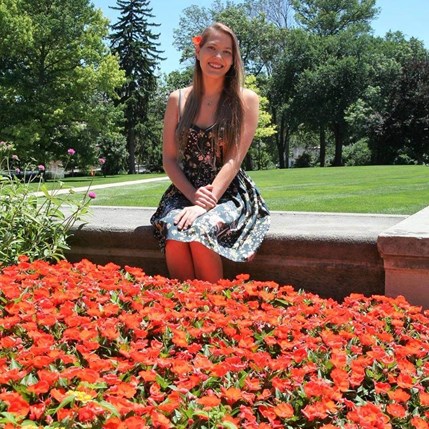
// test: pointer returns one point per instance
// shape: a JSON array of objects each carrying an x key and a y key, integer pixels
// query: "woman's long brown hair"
[{"x": 230, "y": 112}]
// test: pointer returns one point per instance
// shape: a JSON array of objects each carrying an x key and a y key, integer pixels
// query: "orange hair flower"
[{"x": 196, "y": 40}]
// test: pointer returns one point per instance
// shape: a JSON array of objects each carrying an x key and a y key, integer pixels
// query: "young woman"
[{"x": 212, "y": 209}]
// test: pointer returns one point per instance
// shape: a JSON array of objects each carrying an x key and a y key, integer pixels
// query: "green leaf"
[
  {"x": 29, "y": 423},
  {"x": 229, "y": 425},
  {"x": 67, "y": 400},
  {"x": 8, "y": 418},
  {"x": 109, "y": 407},
  {"x": 162, "y": 382}
]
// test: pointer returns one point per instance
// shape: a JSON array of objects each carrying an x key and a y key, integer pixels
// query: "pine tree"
[{"x": 137, "y": 48}]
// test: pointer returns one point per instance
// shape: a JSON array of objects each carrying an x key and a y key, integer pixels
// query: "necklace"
[{"x": 209, "y": 101}]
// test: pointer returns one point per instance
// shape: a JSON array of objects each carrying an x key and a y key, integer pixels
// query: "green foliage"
[
  {"x": 300, "y": 54},
  {"x": 404, "y": 159},
  {"x": 174, "y": 80},
  {"x": 54, "y": 74},
  {"x": 357, "y": 153},
  {"x": 406, "y": 128},
  {"x": 304, "y": 160},
  {"x": 392, "y": 110},
  {"x": 265, "y": 126},
  {"x": 261, "y": 150},
  {"x": 113, "y": 154},
  {"x": 327, "y": 18},
  {"x": 323, "y": 69},
  {"x": 34, "y": 225}
]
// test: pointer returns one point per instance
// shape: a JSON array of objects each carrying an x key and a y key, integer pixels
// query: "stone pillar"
[{"x": 404, "y": 248}]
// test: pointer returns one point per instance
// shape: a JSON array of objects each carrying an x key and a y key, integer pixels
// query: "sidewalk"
[{"x": 107, "y": 185}]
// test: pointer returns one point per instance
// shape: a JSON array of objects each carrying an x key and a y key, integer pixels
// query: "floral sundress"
[{"x": 236, "y": 227}]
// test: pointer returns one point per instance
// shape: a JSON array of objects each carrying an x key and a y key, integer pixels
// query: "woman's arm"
[{"x": 235, "y": 156}]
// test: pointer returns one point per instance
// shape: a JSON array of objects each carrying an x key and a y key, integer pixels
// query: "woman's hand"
[
  {"x": 187, "y": 216},
  {"x": 204, "y": 197}
]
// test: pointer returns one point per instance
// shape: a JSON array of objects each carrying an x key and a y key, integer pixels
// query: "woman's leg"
[
  {"x": 207, "y": 263},
  {"x": 179, "y": 260}
]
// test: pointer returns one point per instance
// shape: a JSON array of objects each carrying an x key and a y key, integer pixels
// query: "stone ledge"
[
  {"x": 404, "y": 248},
  {"x": 331, "y": 254}
]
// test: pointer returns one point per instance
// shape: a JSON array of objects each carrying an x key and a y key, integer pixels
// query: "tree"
[
  {"x": 53, "y": 73},
  {"x": 133, "y": 41},
  {"x": 277, "y": 12},
  {"x": 383, "y": 112},
  {"x": 300, "y": 54},
  {"x": 330, "y": 17},
  {"x": 405, "y": 129},
  {"x": 260, "y": 150},
  {"x": 325, "y": 91},
  {"x": 149, "y": 145},
  {"x": 336, "y": 80}
]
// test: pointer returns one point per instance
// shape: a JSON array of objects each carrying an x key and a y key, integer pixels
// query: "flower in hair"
[{"x": 196, "y": 40}]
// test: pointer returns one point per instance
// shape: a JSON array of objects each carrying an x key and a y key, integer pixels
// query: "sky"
[{"x": 410, "y": 17}]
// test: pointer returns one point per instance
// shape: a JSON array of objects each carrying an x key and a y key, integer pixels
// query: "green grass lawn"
[{"x": 369, "y": 189}]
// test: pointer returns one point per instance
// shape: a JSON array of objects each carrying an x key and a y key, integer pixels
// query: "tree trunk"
[
  {"x": 282, "y": 143},
  {"x": 322, "y": 142},
  {"x": 279, "y": 142},
  {"x": 248, "y": 162},
  {"x": 131, "y": 147},
  {"x": 338, "y": 159},
  {"x": 286, "y": 144}
]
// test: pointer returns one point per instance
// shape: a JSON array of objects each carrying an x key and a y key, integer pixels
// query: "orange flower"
[
  {"x": 284, "y": 410},
  {"x": 147, "y": 345},
  {"x": 123, "y": 389},
  {"x": 340, "y": 378},
  {"x": 405, "y": 381},
  {"x": 318, "y": 410},
  {"x": 396, "y": 410},
  {"x": 419, "y": 423},
  {"x": 231, "y": 395},
  {"x": 16, "y": 403},
  {"x": 196, "y": 40},
  {"x": 179, "y": 338},
  {"x": 399, "y": 395},
  {"x": 209, "y": 401},
  {"x": 41, "y": 386},
  {"x": 424, "y": 398},
  {"x": 160, "y": 421}
]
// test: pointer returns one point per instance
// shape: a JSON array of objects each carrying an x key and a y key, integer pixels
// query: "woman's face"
[{"x": 216, "y": 55}]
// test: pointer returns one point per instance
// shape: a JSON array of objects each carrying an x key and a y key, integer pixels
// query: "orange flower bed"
[{"x": 88, "y": 346}]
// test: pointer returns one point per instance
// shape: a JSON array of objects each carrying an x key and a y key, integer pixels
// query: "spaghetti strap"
[{"x": 180, "y": 105}]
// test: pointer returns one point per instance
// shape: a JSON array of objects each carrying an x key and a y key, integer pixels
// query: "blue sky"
[{"x": 409, "y": 16}]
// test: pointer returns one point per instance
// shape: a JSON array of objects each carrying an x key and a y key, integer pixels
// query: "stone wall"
[
  {"x": 332, "y": 255},
  {"x": 404, "y": 248}
]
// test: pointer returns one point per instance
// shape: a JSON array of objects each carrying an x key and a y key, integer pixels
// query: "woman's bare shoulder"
[
  {"x": 183, "y": 92},
  {"x": 249, "y": 96}
]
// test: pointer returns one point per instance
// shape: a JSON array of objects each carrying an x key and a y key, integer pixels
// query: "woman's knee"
[
  {"x": 179, "y": 260},
  {"x": 176, "y": 245}
]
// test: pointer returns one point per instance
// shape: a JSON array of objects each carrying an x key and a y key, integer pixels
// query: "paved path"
[{"x": 106, "y": 185}]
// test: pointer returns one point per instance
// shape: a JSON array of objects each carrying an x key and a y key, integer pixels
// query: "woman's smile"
[{"x": 215, "y": 65}]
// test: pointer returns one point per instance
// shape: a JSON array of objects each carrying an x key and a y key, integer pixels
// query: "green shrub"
[
  {"x": 35, "y": 224},
  {"x": 404, "y": 159},
  {"x": 113, "y": 152},
  {"x": 357, "y": 153},
  {"x": 305, "y": 160}
]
